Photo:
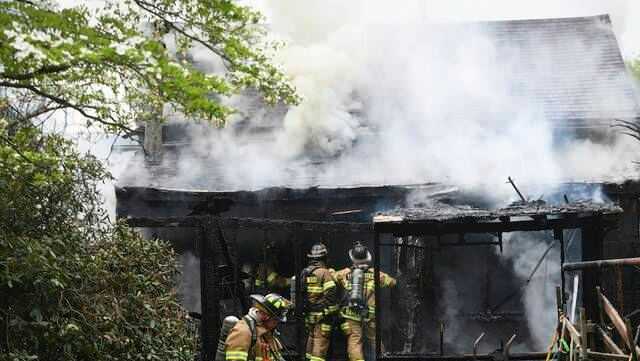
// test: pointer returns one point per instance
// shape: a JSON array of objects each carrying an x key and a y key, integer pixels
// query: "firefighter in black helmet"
[
  {"x": 358, "y": 308},
  {"x": 320, "y": 302}
]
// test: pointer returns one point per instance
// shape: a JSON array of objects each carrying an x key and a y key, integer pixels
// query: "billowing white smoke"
[
  {"x": 327, "y": 79},
  {"x": 388, "y": 99},
  {"x": 525, "y": 250}
]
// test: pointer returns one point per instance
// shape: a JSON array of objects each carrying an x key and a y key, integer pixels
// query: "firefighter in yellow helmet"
[
  {"x": 253, "y": 337},
  {"x": 320, "y": 302},
  {"x": 266, "y": 278},
  {"x": 359, "y": 306}
]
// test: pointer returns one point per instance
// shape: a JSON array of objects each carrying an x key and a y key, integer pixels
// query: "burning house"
[{"x": 466, "y": 263}]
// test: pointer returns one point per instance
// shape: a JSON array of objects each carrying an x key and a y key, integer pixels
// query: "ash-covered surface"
[{"x": 444, "y": 213}]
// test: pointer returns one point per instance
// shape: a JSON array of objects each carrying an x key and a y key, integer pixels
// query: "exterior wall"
[
  {"x": 322, "y": 205},
  {"x": 622, "y": 285}
]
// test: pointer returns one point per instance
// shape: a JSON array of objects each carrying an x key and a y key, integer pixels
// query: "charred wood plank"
[
  {"x": 407, "y": 228},
  {"x": 607, "y": 356},
  {"x": 258, "y": 223},
  {"x": 169, "y": 222},
  {"x": 573, "y": 332},
  {"x": 608, "y": 342}
]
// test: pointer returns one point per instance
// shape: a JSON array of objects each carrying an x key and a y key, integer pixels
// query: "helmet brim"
[{"x": 316, "y": 256}]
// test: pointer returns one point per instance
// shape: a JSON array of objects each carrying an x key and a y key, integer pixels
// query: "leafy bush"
[{"x": 73, "y": 286}]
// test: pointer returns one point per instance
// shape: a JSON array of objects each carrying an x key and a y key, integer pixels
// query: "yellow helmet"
[{"x": 272, "y": 304}]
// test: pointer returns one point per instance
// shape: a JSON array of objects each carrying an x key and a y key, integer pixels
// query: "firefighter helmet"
[
  {"x": 359, "y": 254},
  {"x": 318, "y": 250},
  {"x": 273, "y": 305}
]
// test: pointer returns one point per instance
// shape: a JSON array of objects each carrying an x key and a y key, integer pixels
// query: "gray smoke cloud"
[
  {"x": 391, "y": 99},
  {"x": 189, "y": 283}
]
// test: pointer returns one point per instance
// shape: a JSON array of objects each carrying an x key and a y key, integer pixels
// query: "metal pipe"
[
  {"x": 376, "y": 276},
  {"x": 524, "y": 200},
  {"x": 441, "y": 338},
  {"x": 559, "y": 235},
  {"x": 476, "y": 343},
  {"x": 507, "y": 347},
  {"x": 575, "y": 266}
]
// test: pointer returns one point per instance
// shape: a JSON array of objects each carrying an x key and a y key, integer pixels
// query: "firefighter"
[
  {"x": 358, "y": 306},
  {"x": 266, "y": 278},
  {"x": 253, "y": 338},
  {"x": 320, "y": 302}
]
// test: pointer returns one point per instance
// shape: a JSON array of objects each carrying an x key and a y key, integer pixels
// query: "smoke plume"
[{"x": 394, "y": 94}]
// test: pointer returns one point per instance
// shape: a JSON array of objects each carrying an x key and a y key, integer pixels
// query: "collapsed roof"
[{"x": 439, "y": 218}]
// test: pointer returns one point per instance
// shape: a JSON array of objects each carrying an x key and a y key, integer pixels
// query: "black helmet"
[
  {"x": 318, "y": 250},
  {"x": 273, "y": 304},
  {"x": 359, "y": 254}
]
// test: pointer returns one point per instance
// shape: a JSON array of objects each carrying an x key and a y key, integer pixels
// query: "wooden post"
[
  {"x": 559, "y": 315},
  {"x": 301, "y": 337},
  {"x": 592, "y": 238},
  {"x": 573, "y": 333},
  {"x": 620, "y": 288},
  {"x": 585, "y": 334},
  {"x": 600, "y": 307},
  {"x": 616, "y": 319},
  {"x": 632, "y": 346},
  {"x": 558, "y": 234},
  {"x": 209, "y": 290},
  {"x": 376, "y": 283}
]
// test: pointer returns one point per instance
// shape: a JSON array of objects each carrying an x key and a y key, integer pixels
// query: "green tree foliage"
[
  {"x": 111, "y": 65},
  {"x": 74, "y": 287}
]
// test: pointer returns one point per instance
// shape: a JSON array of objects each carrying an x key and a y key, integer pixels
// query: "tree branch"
[
  {"x": 66, "y": 103},
  {"x": 17, "y": 150},
  {"x": 183, "y": 31},
  {"x": 47, "y": 69},
  {"x": 43, "y": 110}
]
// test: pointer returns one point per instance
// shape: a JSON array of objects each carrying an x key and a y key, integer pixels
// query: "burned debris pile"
[
  {"x": 608, "y": 337},
  {"x": 438, "y": 225}
]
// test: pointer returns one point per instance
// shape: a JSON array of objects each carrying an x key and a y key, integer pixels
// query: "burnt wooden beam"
[
  {"x": 168, "y": 222},
  {"x": 270, "y": 194},
  {"x": 407, "y": 228},
  {"x": 259, "y": 223}
]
